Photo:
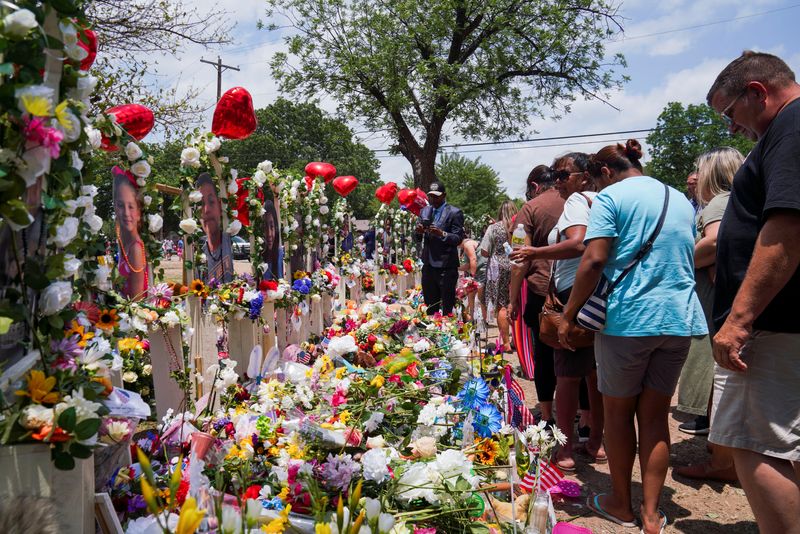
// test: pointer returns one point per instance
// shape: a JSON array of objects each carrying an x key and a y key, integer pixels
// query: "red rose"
[
  {"x": 393, "y": 269},
  {"x": 407, "y": 265},
  {"x": 252, "y": 492},
  {"x": 268, "y": 285}
]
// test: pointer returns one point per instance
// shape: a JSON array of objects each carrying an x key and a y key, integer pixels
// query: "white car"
[{"x": 240, "y": 248}]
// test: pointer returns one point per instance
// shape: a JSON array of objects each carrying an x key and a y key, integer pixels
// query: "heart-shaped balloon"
[
  {"x": 309, "y": 182},
  {"x": 406, "y": 196},
  {"x": 319, "y": 168},
  {"x": 88, "y": 41},
  {"x": 386, "y": 192},
  {"x": 136, "y": 119},
  {"x": 344, "y": 185},
  {"x": 234, "y": 117},
  {"x": 419, "y": 201}
]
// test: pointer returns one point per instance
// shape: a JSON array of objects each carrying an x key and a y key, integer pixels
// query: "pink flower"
[
  {"x": 38, "y": 133},
  {"x": 424, "y": 531},
  {"x": 338, "y": 399},
  {"x": 396, "y": 379},
  {"x": 353, "y": 437}
]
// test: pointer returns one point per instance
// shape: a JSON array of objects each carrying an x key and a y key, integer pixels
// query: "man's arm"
[
  {"x": 456, "y": 234},
  {"x": 775, "y": 260}
]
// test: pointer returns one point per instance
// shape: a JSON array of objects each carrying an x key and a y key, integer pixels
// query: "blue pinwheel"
[
  {"x": 474, "y": 393},
  {"x": 488, "y": 420}
]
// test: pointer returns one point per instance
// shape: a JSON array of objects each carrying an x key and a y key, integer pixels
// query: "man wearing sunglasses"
[{"x": 757, "y": 292}]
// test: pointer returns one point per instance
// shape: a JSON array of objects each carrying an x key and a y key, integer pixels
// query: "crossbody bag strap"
[
  {"x": 552, "y": 286},
  {"x": 645, "y": 247}
]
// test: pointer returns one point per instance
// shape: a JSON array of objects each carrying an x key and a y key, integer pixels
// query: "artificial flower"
[
  {"x": 190, "y": 157},
  {"x": 154, "y": 222},
  {"x": 55, "y": 298},
  {"x": 108, "y": 319},
  {"x": 18, "y": 23},
  {"x": 189, "y": 226},
  {"x": 141, "y": 169},
  {"x": 40, "y": 389},
  {"x": 133, "y": 151},
  {"x": 190, "y": 517},
  {"x": 197, "y": 287}
]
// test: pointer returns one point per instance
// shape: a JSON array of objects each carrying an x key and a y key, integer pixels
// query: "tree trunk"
[{"x": 424, "y": 168}]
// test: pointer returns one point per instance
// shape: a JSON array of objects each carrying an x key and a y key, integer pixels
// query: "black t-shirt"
[{"x": 768, "y": 180}]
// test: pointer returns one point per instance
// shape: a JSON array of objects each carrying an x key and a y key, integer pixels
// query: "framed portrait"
[
  {"x": 131, "y": 252},
  {"x": 217, "y": 245}
]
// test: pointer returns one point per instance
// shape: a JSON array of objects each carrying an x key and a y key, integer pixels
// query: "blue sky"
[{"x": 663, "y": 65}]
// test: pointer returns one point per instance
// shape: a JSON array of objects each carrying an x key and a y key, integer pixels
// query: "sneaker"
[
  {"x": 699, "y": 426},
  {"x": 583, "y": 434}
]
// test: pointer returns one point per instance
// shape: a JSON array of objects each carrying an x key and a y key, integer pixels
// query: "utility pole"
[{"x": 220, "y": 69}]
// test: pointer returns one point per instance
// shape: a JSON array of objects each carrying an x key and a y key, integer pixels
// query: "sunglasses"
[
  {"x": 727, "y": 116},
  {"x": 563, "y": 175}
]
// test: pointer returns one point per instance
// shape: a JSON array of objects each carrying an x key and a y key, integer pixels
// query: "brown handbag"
[{"x": 550, "y": 316}]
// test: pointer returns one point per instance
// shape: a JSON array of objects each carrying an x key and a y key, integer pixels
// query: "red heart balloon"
[
  {"x": 136, "y": 119},
  {"x": 319, "y": 168},
  {"x": 386, "y": 192},
  {"x": 344, "y": 185},
  {"x": 88, "y": 41},
  {"x": 234, "y": 117},
  {"x": 309, "y": 182},
  {"x": 406, "y": 196},
  {"x": 419, "y": 201}
]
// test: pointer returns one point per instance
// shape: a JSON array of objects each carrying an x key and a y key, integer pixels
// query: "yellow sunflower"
[
  {"x": 40, "y": 389},
  {"x": 486, "y": 452},
  {"x": 108, "y": 319},
  {"x": 197, "y": 287},
  {"x": 79, "y": 331}
]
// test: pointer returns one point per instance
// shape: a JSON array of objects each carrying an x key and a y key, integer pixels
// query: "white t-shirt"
[{"x": 576, "y": 212}]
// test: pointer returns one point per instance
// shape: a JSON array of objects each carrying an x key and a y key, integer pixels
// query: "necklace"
[{"x": 125, "y": 255}]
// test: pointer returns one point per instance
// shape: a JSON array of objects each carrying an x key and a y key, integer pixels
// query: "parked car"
[{"x": 240, "y": 248}]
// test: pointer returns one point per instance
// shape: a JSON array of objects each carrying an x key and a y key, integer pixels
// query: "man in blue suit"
[{"x": 441, "y": 227}]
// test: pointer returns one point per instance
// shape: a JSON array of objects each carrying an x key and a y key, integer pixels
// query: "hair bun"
[{"x": 633, "y": 150}]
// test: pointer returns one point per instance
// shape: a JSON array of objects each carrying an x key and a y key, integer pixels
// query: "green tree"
[
  {"x": 291, "y": 135},
  {"x": 682, "y": 134},
  {"x": 471, "y": 185},
  {"x": 423, "y": 69}
]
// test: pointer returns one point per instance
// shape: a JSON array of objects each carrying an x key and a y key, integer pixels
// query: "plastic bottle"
[{"x": 518, "y": 237}]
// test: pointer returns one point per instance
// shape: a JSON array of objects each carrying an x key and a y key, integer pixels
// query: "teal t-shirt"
[{"x": 657, "y": 297}]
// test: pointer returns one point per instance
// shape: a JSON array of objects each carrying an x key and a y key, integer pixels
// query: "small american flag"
[
  {"x": 518, "y": 415},
  {"x": 304, "y": 357},
  {"x": 551, "y": 476}
]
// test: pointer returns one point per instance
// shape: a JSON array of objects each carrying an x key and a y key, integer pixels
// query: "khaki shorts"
[
  {"x": 759, "y": 409},
  {"x": 627, "y": 365}
]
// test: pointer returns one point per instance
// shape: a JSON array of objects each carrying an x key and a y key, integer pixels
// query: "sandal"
[
  {"x": 599, "y": 458},
  {"x": 663, "y": 523},
  {"x": 593, "y": 503},
  {"x": 566, "y": 468}
]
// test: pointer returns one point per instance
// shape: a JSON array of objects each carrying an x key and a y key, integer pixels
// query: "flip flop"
[
  {"x": 593, "y": 504},
  {"x": 597, "y": 459},
  {"x": 566, "y": 469},
  {"x": 663, "y": 522}
]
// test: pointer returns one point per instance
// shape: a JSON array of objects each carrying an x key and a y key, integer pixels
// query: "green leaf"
[
  {"x": 63, "y": 460},
  {"x": 56, "y": 322},
  {"x": 66, "y": 7},
  {"x": 87, "y": 428},
  {"x": 35, "y": 276},
  {"x": 67, "y": 419},
  {"x": 79, "y": 450},
  {"x": 15, "y": 211}
]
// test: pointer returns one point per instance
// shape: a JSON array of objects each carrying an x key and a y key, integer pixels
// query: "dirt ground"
[{"x": 691, "y": 506}]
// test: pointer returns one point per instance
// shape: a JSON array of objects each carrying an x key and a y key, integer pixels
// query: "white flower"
[
  {"x": 422, "y": 346},
  {"x": 70, "y": 206},
  {"x": 19, "y": 23},
  {"x": 72, "y": 128},
  {"x": 35, "y": 416},
  {"x": 129, "y": 377},
  {"x": 374, "y": 465},
  {"x": 133, "y": 151},
  {"x": 372, "y": 507},
  {"x": 102, "y": 275},
  {"x": 234, "y": 227},
  {"x": 307, "y": 219},
  {"x": 147, "y": 369},
  {"x": 323, "y": 210},
  {"x": 75, "y": 160},
  {"x": 233, "y": 187},
  {"x": 385, "y": 523},
  {"x": 154, "y": 222},
  {"x": 116, "y": 431},
  {"x": 234, "y": 174},
  {"x": 231, "y": 520},
  {"x": 189, "y": 226},
  {"x": 170, "y": 319},
  {"x": 223, "y": 159},
  {"x": 94, "y": 357},
  {"x": 376, "y": 442},
  {"x": 558, "y": 435},
  {"x": 147, "y": 200},
  {"x": 94, "y": 135},
  {"x": 195, "y": 196},
  {"x": 94, "y": 222},
  {"x": 260, "y": 178},
  {"x": 82, "y": 91},
  {"x": 212, "y": 145},
  {"x": 141, "y": 169},
  {"x": 71, "y": 264},
  {"x": 78, "y": 53},
  {"x": 375, "y": 419},
  {"x": 65, "y": 232},
  {"x": 55, "y": 298},
  {"x": 68, "y": 32},
  {"x": 415, "y": 483},
  {"x": 265, "y": 166},
  {"x": 424, "y": 447},
  {"x": 190, "y": 157},
  {"x": 323, "y": 200},
  {"x": 84, "y": 408}
]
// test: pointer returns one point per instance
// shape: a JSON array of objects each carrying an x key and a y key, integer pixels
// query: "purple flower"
[
  {"x": 67, "y": 347},
  {"x": 338, "y": 470},
  {"x": 398, "y": 328},
  {"x": 136, "y": 503}
]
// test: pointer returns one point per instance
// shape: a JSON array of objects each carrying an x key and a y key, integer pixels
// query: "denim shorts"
[{"x": 627, "y": 365}]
